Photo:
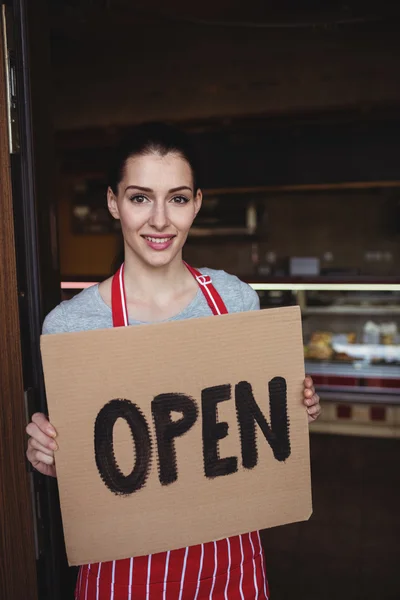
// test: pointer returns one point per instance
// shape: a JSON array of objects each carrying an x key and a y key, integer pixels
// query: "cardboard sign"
[{"x": 178, "y": 433}]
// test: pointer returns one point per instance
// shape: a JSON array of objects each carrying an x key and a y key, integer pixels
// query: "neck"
[{"x": 142, "y": 280}]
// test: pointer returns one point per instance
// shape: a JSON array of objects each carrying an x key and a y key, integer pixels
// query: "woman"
[{"x": 154, "y": 193}]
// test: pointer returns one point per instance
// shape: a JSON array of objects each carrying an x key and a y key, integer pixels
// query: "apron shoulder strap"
[
  {"x": 214, "y": 300},
  {"x": 118, "y": 299}
]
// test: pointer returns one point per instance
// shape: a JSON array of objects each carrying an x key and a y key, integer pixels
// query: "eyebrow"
[{"x": 146, "y": 189}]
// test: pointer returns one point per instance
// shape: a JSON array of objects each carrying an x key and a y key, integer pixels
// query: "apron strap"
[
  {"x": 118, "y": 298},
  {"x": 211, "y": 295}
]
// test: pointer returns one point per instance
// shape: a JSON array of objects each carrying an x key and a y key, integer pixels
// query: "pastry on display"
[{"x": 320, "y": 346}]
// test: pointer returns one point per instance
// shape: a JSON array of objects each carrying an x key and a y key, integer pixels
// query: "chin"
[{"x": 159, "y": 259}]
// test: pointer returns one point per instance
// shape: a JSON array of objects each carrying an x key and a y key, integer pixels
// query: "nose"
[{"x": 159, "y": 216}]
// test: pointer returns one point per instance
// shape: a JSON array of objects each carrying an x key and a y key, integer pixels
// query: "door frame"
[
  {"x": 35, "y": 565},
  {"x": 17, "y": 543}
]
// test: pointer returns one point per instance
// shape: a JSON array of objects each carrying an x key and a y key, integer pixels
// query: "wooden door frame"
[{"x": 17, "y": 548}]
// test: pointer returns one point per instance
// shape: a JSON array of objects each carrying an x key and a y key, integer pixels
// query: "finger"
[
  {"x": 44, "y": 425},
  {"x": 314, "y": 410},
  {"x": 35, "y": 457},
  {"x": 47, "y": 441},
  {"x": 314, "y": 413},
  {"x": 35, "y": 445},
  {"x": 313, "y": 400},
  {"x": 308, "y": 394},
  {"x": 308, "y": 382}
]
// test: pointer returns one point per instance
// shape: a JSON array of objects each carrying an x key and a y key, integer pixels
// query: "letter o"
[{"x": 111, "y": 474}]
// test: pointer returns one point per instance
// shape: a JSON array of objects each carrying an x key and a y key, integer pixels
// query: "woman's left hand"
[{"x": 311, "y": 400}]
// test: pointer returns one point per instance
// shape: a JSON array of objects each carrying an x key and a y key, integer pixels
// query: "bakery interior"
[{"x": 295, "y": 110}]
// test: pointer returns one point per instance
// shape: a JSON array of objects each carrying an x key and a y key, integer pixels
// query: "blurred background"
[{"x": 295, "y": 110}]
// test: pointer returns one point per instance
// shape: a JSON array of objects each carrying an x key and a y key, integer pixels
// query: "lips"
[{"x": 156, "y": 242}]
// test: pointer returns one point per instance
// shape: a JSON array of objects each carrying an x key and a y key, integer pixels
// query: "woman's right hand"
[{"x": 41, "y": 445}]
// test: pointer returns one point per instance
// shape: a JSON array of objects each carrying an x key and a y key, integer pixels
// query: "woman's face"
[{"x": 156, "y": 204}]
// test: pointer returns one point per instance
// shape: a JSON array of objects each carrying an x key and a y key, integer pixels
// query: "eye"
[
  {"x": 138, "y": 199},
  {"x": 180, "y": 200}
]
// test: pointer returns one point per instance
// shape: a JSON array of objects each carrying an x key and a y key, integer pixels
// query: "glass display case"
[
  {"x": 351, "y": 346},
  {"x": 352, "y": 350}
]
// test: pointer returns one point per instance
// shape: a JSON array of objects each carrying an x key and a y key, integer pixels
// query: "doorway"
[{"x": 32, "y": 555}]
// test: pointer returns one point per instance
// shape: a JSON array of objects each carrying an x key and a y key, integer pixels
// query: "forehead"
[{"x": 155, "y": 171}]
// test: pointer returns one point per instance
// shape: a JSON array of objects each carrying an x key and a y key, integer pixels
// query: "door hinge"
[{"x": 11, "y": 78}]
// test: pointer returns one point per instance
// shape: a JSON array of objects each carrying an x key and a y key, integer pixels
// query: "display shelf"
[
  {"x": 323, "y": 285},
  {"x": 360, "y": 398},
  {"x": 347, "y": 306},
  {"x": 354, "y": 370},
  {"x": 305, "y": 187},
  {"x": 374, "y": 311},
  {"x": 360, "y": 392},
  {"x": 369, "y": 352}
]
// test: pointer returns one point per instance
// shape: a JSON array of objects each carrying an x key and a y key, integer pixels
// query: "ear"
[
  {"x": 198, "y": 200},
  {"x": 112, "y": 204}
]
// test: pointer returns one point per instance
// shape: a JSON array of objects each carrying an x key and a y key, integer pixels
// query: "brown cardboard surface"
[{"x": 85, "y": 371}]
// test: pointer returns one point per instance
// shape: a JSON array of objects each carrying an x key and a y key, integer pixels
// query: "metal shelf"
[
  {"x": 320, "y": 287},
  {"x": 352, "y": 310},
  {"x": 353, "y": 370},
  {"x": 350, "y": 397}
]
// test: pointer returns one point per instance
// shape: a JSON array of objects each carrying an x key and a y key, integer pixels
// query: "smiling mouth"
[{"x": 158, "y": 240}]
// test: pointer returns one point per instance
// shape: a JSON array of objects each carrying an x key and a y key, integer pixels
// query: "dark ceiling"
[
  {"x": 71, "y": 15},
  {"x": 220, "y": 58}
]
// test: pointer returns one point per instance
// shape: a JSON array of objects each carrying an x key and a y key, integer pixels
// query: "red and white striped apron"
[{"x": 229, "y": 569}]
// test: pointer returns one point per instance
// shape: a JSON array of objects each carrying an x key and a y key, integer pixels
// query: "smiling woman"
[
  {"x": 159, "y": 213},
  {"x": 153, "y": 192}
]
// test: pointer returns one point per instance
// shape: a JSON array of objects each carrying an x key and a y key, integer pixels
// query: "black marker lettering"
[
  {"x": 249, "y": 413},
  {"x": 108, "y": 468},
  {"x": 214, "y": 466},
  {"x": 167, "y": 430}
]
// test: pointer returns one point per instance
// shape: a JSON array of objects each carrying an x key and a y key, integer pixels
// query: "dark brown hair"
[{"x": 147, "y": 138}]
